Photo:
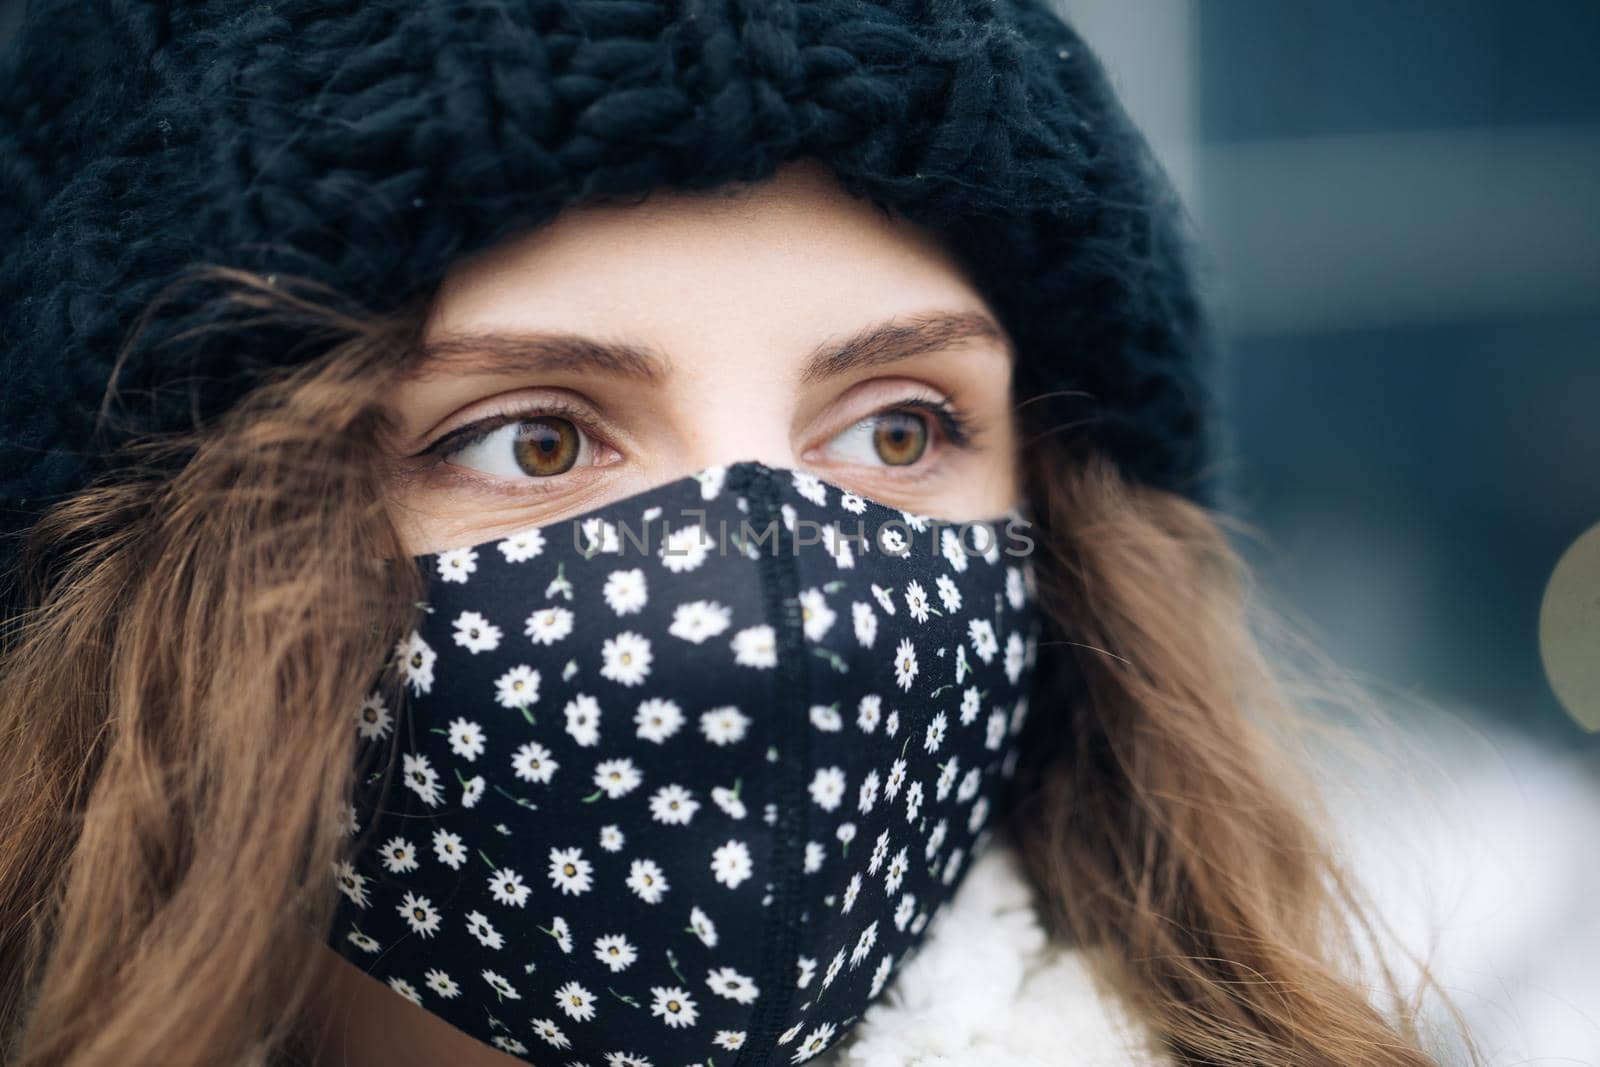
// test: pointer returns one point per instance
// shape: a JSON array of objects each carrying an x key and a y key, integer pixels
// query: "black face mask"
[{"x": 684, "y": 780}]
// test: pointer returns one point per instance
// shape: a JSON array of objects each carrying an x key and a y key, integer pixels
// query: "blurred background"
[{"x": 1397, "y": 202}]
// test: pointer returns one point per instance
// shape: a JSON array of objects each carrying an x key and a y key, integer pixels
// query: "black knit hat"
[{"x": 368, "y": 143}]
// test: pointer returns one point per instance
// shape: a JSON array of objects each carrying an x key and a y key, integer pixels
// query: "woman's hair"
[{"x": 177, "y": 743}]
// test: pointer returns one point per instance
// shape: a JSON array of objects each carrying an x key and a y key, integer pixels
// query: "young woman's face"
[{"x": 620, "y": 347}]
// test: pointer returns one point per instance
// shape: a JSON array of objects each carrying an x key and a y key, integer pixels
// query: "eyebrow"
[
  {"x": 503, "y": 352},
  {"x": 890, "y": 342}
]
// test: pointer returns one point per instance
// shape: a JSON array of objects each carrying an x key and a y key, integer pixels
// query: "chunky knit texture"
[{"x": 367, "y": 143}]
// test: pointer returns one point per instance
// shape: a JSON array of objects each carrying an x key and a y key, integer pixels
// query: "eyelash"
[
  {"x": 955, "y": 424},
  {"x": 463, "y": 436}
]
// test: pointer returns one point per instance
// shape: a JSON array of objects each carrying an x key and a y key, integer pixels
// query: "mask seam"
[{"x": 780, "y": 589}]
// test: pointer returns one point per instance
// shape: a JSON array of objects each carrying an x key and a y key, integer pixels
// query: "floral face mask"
[{"x": 684, "y": 780}]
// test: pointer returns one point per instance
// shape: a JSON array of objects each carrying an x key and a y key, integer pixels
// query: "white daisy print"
[
  {"x": 509, "y": 1044},
  {"x": 532, "y": 762},
  {"x": 730, "y": 863},
  {"x": 835, "y": 965},
  {"x": 647, "y": 881},
  {"x": 864, "y": 943},
  {"x": 699, "y": 620},
  {"x": 405, "y": 989},
  {"x": 472, "y": 790},
  {"x": 865, "y": 622},
  {"x": 851, "y": 891},
  {"x": 448, "y": 850},
  {"x": 569, "y": 871},
  {"x": 710, "y": 481},
  {"x": 1014, "y": 588},
  {"x": 727, "y": 982},
  {"x": 685, "y": 549},
  {"x": 457, "y": 563},
  {"x": 508, "y": 887},
  {"x": 611, "y": 838},
  {"x": 626, "y": 592},
  {"x": 362, "y": 941},
  {"x": 954, "y": 551},
  {"x": 898, "y": 865},
  {"x": 880, "y": 852},
  {"x": 521, "y": 547},
  {"x": 852, "y": 503},
  {"x": 884, "y": 598},
  {"x": 517, "y": 688},
  {"x": 904, "y": 911},
  {"x": 983, "y": 640},
  {"x": 398, "y": 856},
  {"x": 419, "y": 914},
  {"x": 729, "y": 1039},
  {"x": 868, "y": 712},
  {"x": 576, "y": 1001},
  {"x": 373, "y": 719},
  {"x": 672, "y": 1005},
  {"x": 868, "y": 794},
  {"x": 351, "y": 883},
  {"x": 827, "y": 787},
  {"x": 599, "y": 536},
  {"x": 583, "y": 719},
  {"x": 441, "y": 983},
  {"x": 626, "y": 658},
  {"x": 826, "y": 717},
  {"x": 811, "y": 487},
  {"x": 701, "y": 926},
  {"x": 673, "y": 805},
  {"x": 905, "y": 663},
  {"x": 466, "y": 739},
  {"x": 971, "y": 704},
  {"x": 416, "y": 658},
  {"x": 949, "y": 595},
  {"x": 1014, "y": 657},
  {"x": 881, "y": 976},
  {"x": 615, "y": 951},
  {"x": 551, "y": 1033},
  {"x": 479, "y": 926},
  {"x": 935, "y": 735},
  {"x": 916, "y": 601},
  {"x": 815, "y": 616},
  {"x": 996, "y": 733},
  {"x": 548, "y": 625},
  {"x": 503, "y": 988},
  {"x": 728, "y": 800},
  {"x": 756, "y": 646},
  {"x": 476, "y": 633},
  {"x": 724, "y": 726},
  {"x": 422, "y": 779},
  {"x": 617, "y": 777},
  {"x": 808, "y": 971},
  {"x": 658, "y": 719}
]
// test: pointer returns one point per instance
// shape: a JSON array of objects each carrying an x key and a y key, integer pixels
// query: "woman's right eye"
[{"x": 533, "y": 447}]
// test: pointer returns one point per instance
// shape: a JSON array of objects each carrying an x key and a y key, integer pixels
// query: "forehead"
[{"x": 774, "y": 265}]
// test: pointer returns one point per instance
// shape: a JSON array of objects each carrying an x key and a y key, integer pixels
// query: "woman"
[{"x": 425, "y": 319}]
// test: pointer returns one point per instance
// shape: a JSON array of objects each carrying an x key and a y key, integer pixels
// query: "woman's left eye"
[{"x": 889, "y": 439}]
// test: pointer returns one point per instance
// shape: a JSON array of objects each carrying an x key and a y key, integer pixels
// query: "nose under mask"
[{"x": 685, "y": 780}]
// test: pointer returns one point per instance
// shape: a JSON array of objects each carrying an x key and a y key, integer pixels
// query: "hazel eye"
[
  {"x": 537, "y": 447},
  {"x": 891, "y": 439},
  {"x": 900, "y": 438}
]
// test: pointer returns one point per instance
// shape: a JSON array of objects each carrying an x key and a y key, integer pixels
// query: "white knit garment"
[{"x": 988, "y": 987}]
